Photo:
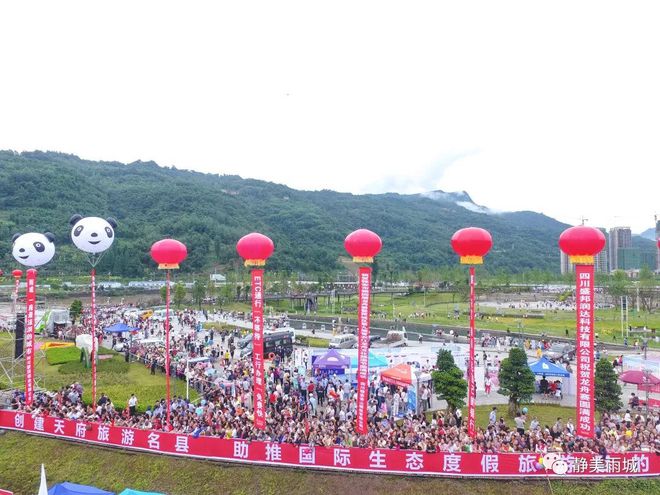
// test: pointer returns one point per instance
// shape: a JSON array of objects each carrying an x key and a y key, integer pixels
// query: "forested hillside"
[{"x": 209, "y": 213}]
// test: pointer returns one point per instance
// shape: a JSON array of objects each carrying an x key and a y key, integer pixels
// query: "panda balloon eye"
[
  {"x": 108, "y": 231},
  {"x": 39, "y": 247},
  {"x": 78, "y": 230}
]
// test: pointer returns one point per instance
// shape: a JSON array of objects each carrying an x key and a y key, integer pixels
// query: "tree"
[
  {"x": 618, "y": 286},
  {"x": 198, "y": 293},
  {"x": 75, "y": 310},
  {"x": 516, "y": 379},
  {"x": 646, "y": 289},
  {"x": 448, "y": 382},
  {"x": 607, "y": 388},
  {"x": 163, "y": 293},
  {"x": 210, "y": 289},
  {"x": 445, "y": 360},
  {"x": 179, "y": 294}
]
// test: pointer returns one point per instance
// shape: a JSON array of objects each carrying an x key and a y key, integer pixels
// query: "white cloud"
[{"x": 524, "y": 105}]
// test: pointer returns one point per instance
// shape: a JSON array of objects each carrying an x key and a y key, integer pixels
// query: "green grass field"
[
  {"x": 21, "y": 457},
  {"x": 115, "y": 377},
  {"x": 547, "y": 414},
  {"x": 437, "y": 307}
]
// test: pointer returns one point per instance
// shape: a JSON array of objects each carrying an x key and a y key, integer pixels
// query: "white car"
[{"x": 120, "y": 346}]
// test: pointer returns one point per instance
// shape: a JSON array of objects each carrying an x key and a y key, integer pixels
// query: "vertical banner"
[
  {"x": 364, "y": 307},
  {"x": 584, "y": 295},
  {"x": 168, "y": 404},
  {"x": 93, "y": 337},
  {"x": 472, "y": 385},
  {"x": 258, "y": 348},
  {"x": 31, "y": 298}
]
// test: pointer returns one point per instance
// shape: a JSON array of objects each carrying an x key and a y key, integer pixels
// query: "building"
[
  {"x": 628, "y": 259},
  {"x": 565, "y": 265},
  {"x": 619, "y": 238},
  {"x": 218, "y": 279},
  {"x": 657, "y": 248}
]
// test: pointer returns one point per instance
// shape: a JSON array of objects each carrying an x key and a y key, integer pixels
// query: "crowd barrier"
[{"x": 403, "y": 462}]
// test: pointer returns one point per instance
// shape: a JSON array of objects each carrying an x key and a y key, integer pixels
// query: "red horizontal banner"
[{"x": 368, "y": 460}]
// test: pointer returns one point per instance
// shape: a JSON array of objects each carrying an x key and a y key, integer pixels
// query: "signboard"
[{"x": 405, "y": 462}]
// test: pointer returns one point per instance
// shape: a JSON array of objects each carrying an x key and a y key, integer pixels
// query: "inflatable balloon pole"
[
  {"x": 168, "y": 253},
  {"x": 32, "y": 249},
  {"x": 255, "y": 249},
  {"x": 93, "y": 236}
]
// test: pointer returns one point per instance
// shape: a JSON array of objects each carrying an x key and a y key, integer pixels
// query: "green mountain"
[{"x": 39, "y": 191}]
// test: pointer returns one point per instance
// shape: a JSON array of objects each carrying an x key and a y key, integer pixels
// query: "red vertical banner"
[
  {"x": 584, "y": 295},
  {"x": 31, "y": 298},
  {"x": 93, "y": 337},
  {"x": 364, "y": 311},
  {"x": 258, "y": 348},
  {"x": 168, "y": 404},
  {"x": 472, "y": 385}
]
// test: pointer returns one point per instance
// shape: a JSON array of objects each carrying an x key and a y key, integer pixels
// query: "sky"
[{"x": 546, "y": 106}]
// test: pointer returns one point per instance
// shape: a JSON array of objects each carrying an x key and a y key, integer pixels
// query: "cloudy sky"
[{"x": 545, "y": 106}]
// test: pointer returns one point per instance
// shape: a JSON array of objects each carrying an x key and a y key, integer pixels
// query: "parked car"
[
  {"x": 395, "y": 338},
  {"x": 274, "y": 343},
  {"x": 344, "y": 341},
  {"x": 560, "y": 351}
]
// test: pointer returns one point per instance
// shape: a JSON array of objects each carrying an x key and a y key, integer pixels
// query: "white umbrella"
[{"x": 43, "y": 487}]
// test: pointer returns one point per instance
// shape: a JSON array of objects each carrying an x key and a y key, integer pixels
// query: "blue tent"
[
  {"x": 374, "y": 361},
  {"x": 332, "y": 360},
  {"x": 545, "y": 367},
  {"x": 67, "y": 488},
  {"x": 119, "y": 328},
  {"x": 130, "y": 491}
]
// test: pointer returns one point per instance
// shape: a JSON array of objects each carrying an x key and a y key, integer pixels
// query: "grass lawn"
[
  {"x": 21, "y": 457},
  {"x": 438, "y": 306},
  {"x": 62, "y": 355},
  {"x": 547, "y": 414},
  {"x": 313, "y": 341},
  {"x": 114, "y": 377},
  {"x": 117, "y": 379}
]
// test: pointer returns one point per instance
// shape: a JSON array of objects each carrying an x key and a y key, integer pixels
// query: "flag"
[{"x": 43, "y": 487}]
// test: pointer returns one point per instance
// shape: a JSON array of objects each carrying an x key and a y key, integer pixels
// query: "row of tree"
[{"x": 518, "y": 383}]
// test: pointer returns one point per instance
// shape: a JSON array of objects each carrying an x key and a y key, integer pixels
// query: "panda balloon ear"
[
  {"x": 112, "y": 222},
  {"x": 14, "y": 237},
  {"x": 74, "y": 219},
  {"x": 49, "y": 236}
]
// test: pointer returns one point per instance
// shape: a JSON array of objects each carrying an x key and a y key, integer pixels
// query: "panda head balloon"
[
  {"x": 92, "y": 234},
  {"x": 33, "y": 249}
]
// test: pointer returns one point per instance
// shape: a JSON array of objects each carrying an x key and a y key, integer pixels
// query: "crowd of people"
[{"x": 321, "y": 409}]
